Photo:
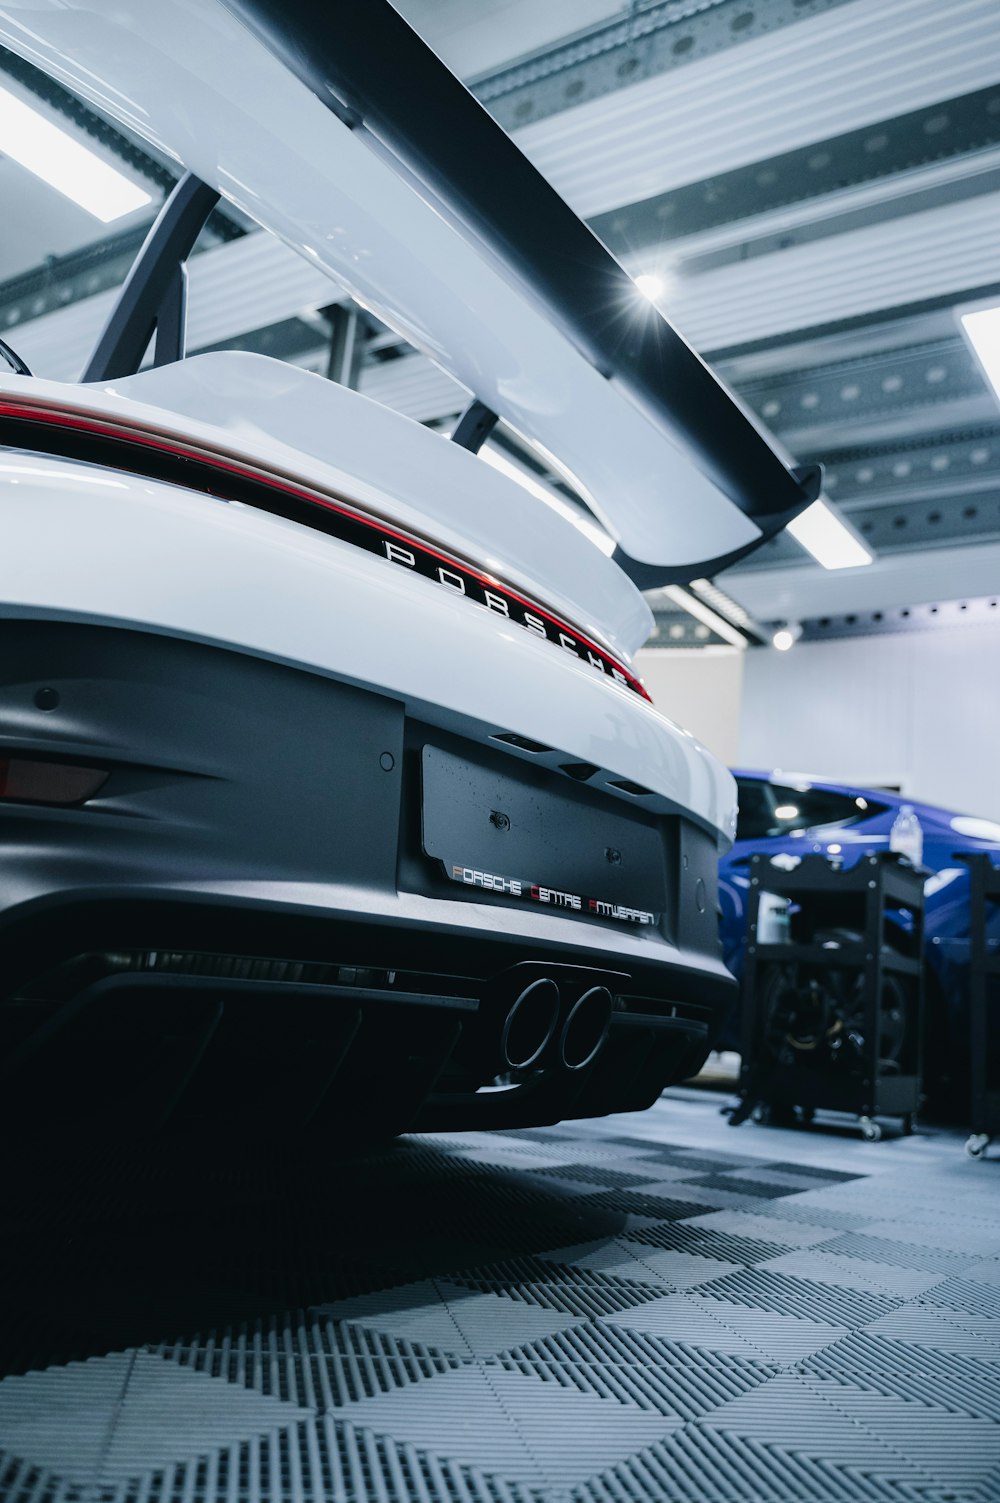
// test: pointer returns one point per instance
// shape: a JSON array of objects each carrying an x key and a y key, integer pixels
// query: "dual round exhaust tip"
[{"x": 533, "y": 1021}]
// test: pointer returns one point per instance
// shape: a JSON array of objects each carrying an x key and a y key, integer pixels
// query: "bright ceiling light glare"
[
  {"x": 786, "y": 636},
  {"x": 28, "y": 137},
  {"x": 981, "y": 328},
  {"x": 650, "y": 285},
  {"x": 828, "y": 538},
  {"x": 595, "y": 534},
  {"x": 787, "y": 811}
]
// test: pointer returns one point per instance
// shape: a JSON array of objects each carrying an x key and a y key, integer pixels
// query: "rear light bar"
[
  {"x": 76, "y": 435},
  {"x": 26, "y": 780}
]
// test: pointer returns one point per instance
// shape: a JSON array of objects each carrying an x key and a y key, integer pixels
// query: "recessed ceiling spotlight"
[
  {"x": 786, "y": 636},
  {"x": 650, "y": 286}
]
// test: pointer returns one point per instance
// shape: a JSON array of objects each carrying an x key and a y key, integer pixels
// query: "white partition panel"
[
  {"x": 699, "y": 689},
  {"x": 921, "y": 710}
]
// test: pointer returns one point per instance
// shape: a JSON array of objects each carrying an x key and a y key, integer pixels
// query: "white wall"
[
  {"x": 700, "y": 689},
  {"x": 920, "y": 709}
]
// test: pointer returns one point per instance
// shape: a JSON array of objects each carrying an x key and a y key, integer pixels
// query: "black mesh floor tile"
[
  {"x": 702, "y": 1163},
  {"x": 761, "y": 1189},
  {"x": 786, "y": 1295},
  {"x": 318, "y": 1364},
  {"x": 705, "y": 1242},
  {"x": 594, "y": 1174},
  {"x": 660, "y": 1207},
  {"x": 811, "y": 1171},
  {"x": 579, "y": 1292}
]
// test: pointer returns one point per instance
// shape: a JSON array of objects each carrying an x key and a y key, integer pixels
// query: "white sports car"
[{"x": 328, "y": 791}]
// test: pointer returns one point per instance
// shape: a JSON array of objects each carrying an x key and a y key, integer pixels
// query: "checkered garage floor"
[{"x": 649, "y": 1307}]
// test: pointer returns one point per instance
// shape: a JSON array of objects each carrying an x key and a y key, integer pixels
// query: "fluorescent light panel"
[
  {"x": 981, "y": 328},
  {"x": 830, "y": 541},
  {"x": 701, "y": 612},
  {"x": 720, "y": 601},
  {"x": 28, "y": 137}
]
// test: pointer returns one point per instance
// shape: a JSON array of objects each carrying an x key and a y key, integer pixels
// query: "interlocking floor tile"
[
  {"x": 716, "y": 1327},
  {"x": 921, "y": 1434},
  {"x": 824, "y": 1267},
  {"x": 923, "y": 1325},
  {"x": 701, "y": 1465},
  {"x": 112, "y": 1418},
  {"x": 705, "y": 1242},
  {"x": 520, "y": 1427},
  {"x": 619, "y": 1311},
  {"x": 638, "y": 1369},
  {"x": 764, "y": 1228},
  {"x": 807, "y": 1298},
  {"x": 975, "y": 1296}
]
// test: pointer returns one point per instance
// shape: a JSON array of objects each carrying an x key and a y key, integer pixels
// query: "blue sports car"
[{"x": 788, "y": 815}]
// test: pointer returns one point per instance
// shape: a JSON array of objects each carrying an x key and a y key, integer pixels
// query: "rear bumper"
[{"x": 247, "y": 906}]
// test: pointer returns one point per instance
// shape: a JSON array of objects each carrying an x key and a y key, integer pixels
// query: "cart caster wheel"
[
  {"x": 976, "y": 1144},
  {"x": 909, "y": 1127},
  {"x": 761, "y": 1114},
  {"x": 870, "y": 1131}
]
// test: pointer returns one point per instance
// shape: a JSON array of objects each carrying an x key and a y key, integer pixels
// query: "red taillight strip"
[{"x": 129, "y": 437}]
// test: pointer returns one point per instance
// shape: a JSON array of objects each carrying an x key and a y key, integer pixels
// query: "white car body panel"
[
  {"x": 159, "y": 558},
  {"x": 297, "y": 424},
  {"x": 188, "y": 77}
]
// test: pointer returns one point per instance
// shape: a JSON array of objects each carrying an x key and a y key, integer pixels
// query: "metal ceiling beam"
[
  {"x": 894, "y": 580},
  {"x": 649, "y": 40},
  {"x": 941, "y": 253},
  {"x": 887, "y": 168},
  {"x": 920, "y": 382},
  {"x": 824, "y": 77},
  {"x": 936, "y": 616}
]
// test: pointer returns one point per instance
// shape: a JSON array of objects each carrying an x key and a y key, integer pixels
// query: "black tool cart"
[
  {"x": 984, "y": 1029},
  {"x": 832, "y": 996}
]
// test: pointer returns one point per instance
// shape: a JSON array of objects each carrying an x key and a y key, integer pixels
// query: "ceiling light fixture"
[
  {"x": 721, "y": 602},
  {"x": 828, "y": 538},
  {"x": 701, "y": 612},
  {"x": 649, "y": 285},
  {"x": 981, "y": 327},
  {"x": 786, "y": 636},
  {"x": 30, "y": 138}
]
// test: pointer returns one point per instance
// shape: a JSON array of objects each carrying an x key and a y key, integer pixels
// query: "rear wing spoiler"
[
  {"x": 343, "y": 133},
  {"x": 373, "y": 70}
]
